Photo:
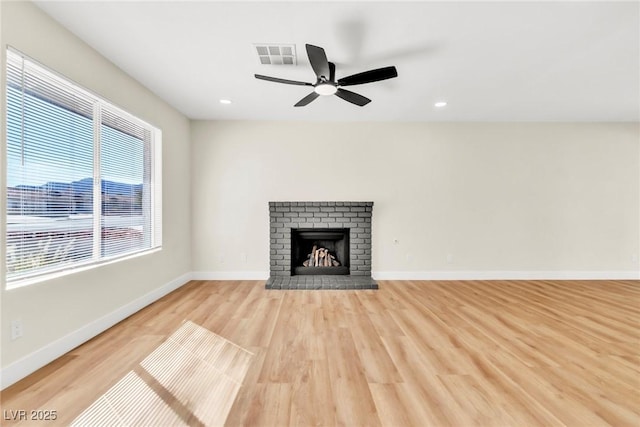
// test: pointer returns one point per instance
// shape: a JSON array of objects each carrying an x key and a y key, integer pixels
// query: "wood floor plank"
[
  {"x": 309, "y": 395},
  {"x": 352, "y": 397},
  {"x": 390, "y": 405},
  {"x": 413, "y": 353}
]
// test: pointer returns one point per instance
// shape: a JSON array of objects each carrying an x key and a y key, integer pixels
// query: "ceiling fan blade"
[
  {"x": 318, "y": 60},
  {"x": 369, "y": 76},
  {"x": 277, "y": 80},
  {"x": 307, "y": 99},
  {"x": 353, "y": 97},
  {"x": 332, "y": 72}
]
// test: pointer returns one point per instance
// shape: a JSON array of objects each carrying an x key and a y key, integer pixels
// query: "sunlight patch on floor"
[{"x": 190, "y": 379}]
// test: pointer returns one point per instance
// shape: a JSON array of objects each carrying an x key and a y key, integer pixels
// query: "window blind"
[{"x": 83, "y": 176}]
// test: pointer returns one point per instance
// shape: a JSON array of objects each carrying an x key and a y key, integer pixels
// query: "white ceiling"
[{"x": 491, "y": 61}]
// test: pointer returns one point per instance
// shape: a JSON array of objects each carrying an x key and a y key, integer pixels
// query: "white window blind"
[{"x": 83, "y": 176}]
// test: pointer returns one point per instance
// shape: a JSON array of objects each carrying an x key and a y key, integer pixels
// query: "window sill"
[{"x": 19, "y": 283}]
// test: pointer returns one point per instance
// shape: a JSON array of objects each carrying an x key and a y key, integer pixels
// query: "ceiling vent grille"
[{"x": 276, "y": 54}]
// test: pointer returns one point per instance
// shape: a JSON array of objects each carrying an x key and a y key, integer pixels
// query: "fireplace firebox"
[{"x": 319, "y": 251}]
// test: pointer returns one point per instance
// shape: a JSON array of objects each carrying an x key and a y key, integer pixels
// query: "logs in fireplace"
[{"x": 321, "y": 257}]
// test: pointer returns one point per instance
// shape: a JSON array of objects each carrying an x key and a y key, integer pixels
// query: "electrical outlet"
[
  {"x": 449, "y": 258},
  {"x": 16, "y": 329},
  {"x": 634, "y": 258},
  {"x": 221, "y": 259},
  {"x": 243, "y": 256}
]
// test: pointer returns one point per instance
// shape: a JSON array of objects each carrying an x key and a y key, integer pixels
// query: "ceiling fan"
[{"x": 326, "y": 83}]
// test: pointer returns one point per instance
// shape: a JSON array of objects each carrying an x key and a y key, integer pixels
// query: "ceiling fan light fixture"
[
  {"x": 440, "y": 104},
  {"x": 325, "y": 89}
]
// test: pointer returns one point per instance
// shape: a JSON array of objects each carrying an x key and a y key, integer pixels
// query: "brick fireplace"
[{"x": 320, "y": 221}]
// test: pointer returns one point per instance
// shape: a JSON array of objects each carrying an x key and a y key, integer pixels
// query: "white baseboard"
[
  {"x": 506, "y": 275},
  {"x": 230, "y": 275},
  {"x": 47, "y": 354},
  {"x": 445, "y": 275}
]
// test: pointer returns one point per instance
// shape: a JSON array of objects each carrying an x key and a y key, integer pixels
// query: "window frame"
[{"x": 153, "y": 169}]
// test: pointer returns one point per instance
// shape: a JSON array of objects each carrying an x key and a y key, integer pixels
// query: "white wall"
[
  {"x": 55, "y": 313},
  {"x": 508, "y": 200}
]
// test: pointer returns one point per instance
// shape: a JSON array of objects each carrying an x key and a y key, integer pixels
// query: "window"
[{"x": 83, "y": 176}]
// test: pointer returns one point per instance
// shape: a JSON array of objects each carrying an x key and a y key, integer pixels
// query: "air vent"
[{"x": 276, "y": 54}]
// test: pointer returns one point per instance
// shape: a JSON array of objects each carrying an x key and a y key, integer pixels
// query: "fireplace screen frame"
[{"x": 334, "y": 239}]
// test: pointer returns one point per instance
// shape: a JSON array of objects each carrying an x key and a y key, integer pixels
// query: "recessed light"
[
  {"x": 440, "y": 104},
  {"x": 225, "y": 101}
]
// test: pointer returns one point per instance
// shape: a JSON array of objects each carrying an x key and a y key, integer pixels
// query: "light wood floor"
[{"x": 472, "y": 353}]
